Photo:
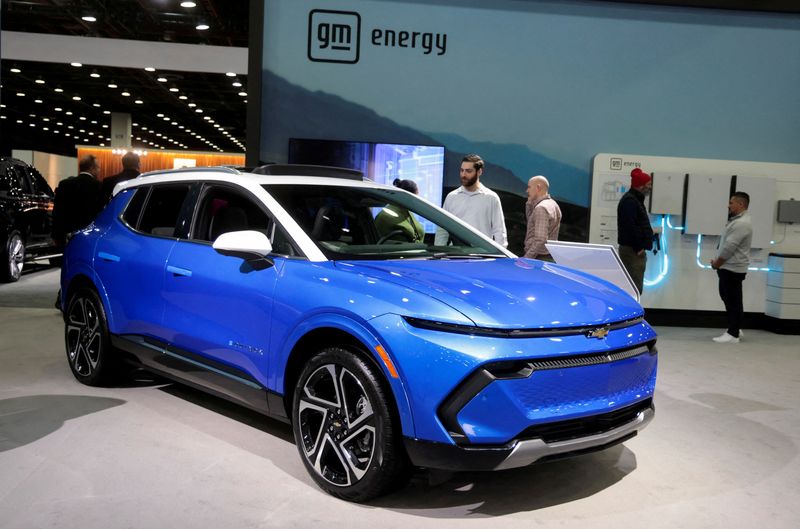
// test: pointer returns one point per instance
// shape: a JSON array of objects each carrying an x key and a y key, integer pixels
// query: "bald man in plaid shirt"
[{"x": 544, "y": 219}]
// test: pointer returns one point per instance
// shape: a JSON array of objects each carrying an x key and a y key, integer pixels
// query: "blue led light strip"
[
  {"x": 670, "y": 226},
  {"x": 664, "y": 259},
  {"x": 701, "y": 265}
]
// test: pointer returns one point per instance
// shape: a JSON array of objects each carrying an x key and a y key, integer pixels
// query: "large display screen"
[{"x": 380, "y": 162}]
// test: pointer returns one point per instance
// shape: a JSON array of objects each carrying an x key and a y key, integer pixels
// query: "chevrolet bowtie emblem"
[{"x": 599, "y": 333}]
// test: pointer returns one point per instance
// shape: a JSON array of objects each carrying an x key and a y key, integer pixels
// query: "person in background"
[
  {"x": 543, "y": 216},
  {"x": 77, "y": 200},
  {"x": 634, "y": 233},
  {"x": 396, "y": 222},
  {"x": 130, "y": 169},
  {"x": 475, "y": 204},
  {"x": 733, "y": 258}
]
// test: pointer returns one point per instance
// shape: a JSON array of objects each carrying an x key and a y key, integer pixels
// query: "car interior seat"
[
  {"x": 327, "y": 224},
  {"x": 226, "y": 219}
]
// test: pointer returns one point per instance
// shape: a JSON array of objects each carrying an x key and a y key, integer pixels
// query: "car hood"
[{"x": 509, "y": 293}]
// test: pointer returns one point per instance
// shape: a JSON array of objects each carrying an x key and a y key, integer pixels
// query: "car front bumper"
[{"x": 524, "y": 452}]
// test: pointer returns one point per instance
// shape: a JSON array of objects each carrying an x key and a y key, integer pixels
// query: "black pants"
[{"x": 730, "y": 290}]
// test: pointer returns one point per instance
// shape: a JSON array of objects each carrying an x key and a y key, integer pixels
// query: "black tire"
[
  {"x": 89, "y": 353},
  {"x": 344, "y": 430},
  {"x": 13, "y": 257}
]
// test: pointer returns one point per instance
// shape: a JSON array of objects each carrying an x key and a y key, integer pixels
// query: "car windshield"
[{"x": 373, "y": 223}]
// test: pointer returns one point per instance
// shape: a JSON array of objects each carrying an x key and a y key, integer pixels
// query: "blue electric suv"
[{"x": 313, "y": 300}]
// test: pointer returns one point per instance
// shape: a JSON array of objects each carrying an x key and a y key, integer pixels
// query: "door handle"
[
  {"x": 179, "y": 271},
  {"x": 108, "y": 257}
]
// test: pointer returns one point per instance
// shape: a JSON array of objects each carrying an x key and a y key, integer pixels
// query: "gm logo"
[
  {"x": 334, "y": 36},
  {"x": 616, "y": 164}
]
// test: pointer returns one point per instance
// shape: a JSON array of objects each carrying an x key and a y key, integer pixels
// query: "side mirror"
[{"x": 247, "y": 244}]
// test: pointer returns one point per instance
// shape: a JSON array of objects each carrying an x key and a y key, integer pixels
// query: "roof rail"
[
  {"x": 229, "y": 170},
  {"x": 308, "y": 170}
]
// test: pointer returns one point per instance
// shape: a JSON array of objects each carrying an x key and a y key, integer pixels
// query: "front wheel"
[
  {"x": 89, "y": 351},
  {"x": 13, "y": 255},
  {"x": 343, "y": 427}
]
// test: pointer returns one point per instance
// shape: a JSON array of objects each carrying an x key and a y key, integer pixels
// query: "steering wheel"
[{"x": 390, "y": 235}]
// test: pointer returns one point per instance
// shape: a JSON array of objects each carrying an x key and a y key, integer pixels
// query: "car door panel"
[
  {"x": 219, "y": 307},
  {"x": 131, "y": 268}
]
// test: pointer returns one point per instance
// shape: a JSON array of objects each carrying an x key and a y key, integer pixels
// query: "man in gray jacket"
[{"x": 733, "y": 258}]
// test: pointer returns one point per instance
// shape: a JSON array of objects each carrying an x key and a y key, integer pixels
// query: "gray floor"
[{"x": 721, "y": 453}]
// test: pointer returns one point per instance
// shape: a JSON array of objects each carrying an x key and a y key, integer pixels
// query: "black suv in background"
[{"x": 26, "y": 212}]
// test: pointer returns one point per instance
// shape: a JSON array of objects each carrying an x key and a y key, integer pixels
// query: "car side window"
[
  {"x": 22, "y": 182},
  {"x": 5, "y": 181},
  {"x": 162, "y": 209},
  {"x": 134, "y": 208},
  {"x": 39, "y": 183},
  {"x": 222, "y": 209}
]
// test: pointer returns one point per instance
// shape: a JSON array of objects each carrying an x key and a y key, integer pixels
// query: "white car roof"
[{"x": 234, "y": 176}]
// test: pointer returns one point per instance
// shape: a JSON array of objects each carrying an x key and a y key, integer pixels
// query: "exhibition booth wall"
[{"x": 541, "y": 88}]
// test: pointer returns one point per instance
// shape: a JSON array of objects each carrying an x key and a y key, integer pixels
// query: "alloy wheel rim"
[
  {"x": 16, "y": 256},
  {"x": 337, "y": 425},
  {"x": 83, "y": 336}
]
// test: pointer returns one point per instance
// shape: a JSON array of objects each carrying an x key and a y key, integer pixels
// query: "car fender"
[{"x": 359, "y": 329}]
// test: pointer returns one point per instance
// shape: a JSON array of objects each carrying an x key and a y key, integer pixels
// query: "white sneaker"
[{"x": 726, "y": 338}]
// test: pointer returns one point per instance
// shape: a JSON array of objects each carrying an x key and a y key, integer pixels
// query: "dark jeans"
[
  {"x": 730, "y": 290},
  {"x": 634, "y": 264}
]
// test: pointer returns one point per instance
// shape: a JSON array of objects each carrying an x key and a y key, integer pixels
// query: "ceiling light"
[
  {"x": 21, "y": 94},
  {"x": 183, "y": 97},
  {"x": 76, "y": 98},
  {"x": 188, "y": 4},
  {"x": 106, "y": 112},
  {"x": 68, "y": 113},
  {"x": 39, "y": 81},
  {"x": 89, "y": 18},
  {"x": 202, "y": 27},
  {"x": 192, "y": 105},
  {"x": 58, "y": 109},
  {"x": 139, "y": 102},
  {"x": 93, "y": 122},
  {"x": 237, "y": 84},
  {"x": 174, "y": 89},
  {"x": 126, "y": 94},
  {"x": 14, "y": 69},
  {"x": 149, "y": 69},
  {"x": 243, "y": 94},
  {"x": 198, "y": 110},
  {"x": 94, "y": 74},
  {"x": 97, "y": 105},
  {"x": 75, "y": 64},
  {"x": 82, "y": 118},
  {"x": 162, "y": 79},
  {"x": 112, "y": 84},
  {"x": 230, "y": 74}
]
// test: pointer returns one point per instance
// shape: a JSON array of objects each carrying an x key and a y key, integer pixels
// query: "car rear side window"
[
  {"x": 162, "y": 209},
  {"x": 134, "y": 208}
]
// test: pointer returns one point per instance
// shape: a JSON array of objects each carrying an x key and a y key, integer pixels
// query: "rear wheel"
[
  {"x": 343, "y": 427},
  {"x": 13, "y": 255},
  {"x": 88, "y": 346}
]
